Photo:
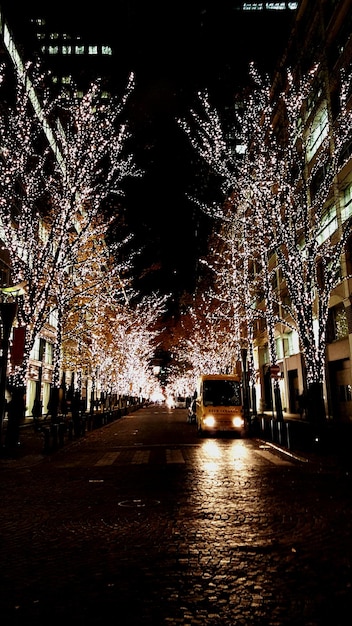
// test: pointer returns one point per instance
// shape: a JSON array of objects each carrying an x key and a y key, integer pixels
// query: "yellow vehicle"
[{"x": 219, "y": 404}]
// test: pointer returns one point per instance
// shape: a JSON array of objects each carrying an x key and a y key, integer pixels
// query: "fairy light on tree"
[
  {"x": 50, "y": 208},
  {"x": 118, "y": 341},
  {"x": 283, "y": 196},
  {"x": 235, "y": 292},
  {"x": 213, "y": 347},
  {"x": 310, "y": 262},
  {"x": 242, "y": 178},
  {"x": 253, "y": 199}
]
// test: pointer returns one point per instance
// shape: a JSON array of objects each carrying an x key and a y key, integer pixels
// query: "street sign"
[{"x": 274, "y": 371}]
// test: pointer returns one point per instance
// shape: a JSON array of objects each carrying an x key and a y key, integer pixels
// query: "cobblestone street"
[{"x": 143, "y": 523}]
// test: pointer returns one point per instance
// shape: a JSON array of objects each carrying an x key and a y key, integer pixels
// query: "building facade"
[{"x": 321, "y": 35}]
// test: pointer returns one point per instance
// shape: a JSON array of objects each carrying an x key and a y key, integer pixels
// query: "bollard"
[
  {"x": 61, "y": 432},
  {"x": 262, "y": 425},
  {"x": 279, "y": 432},
  {"x": 288, "y": 436},
  {"x": 77, "y": 425},
  {"x": 272, "y": 430},
  {"x": 55, "y": 432},
  {"x": 46, "y": 435}
]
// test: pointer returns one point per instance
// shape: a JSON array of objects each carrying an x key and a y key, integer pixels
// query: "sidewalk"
[
  {"x": 29, "y": 451},
  {"x": 38, "y": 439},
  {"x": 331, "y": 444}
]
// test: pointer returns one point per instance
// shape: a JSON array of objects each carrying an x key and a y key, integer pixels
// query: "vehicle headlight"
[
  {"x": 209, "y": 420},
  {"x": 238, "y": 422}
]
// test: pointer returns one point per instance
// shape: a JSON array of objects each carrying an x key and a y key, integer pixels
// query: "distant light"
[
  {"x": 157, "y": 396},
  {"x": 169, "y": 402},
  {"x": 271, "y": 6}
]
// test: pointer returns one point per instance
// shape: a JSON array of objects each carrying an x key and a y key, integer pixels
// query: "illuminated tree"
[
  {"x": 244, "y": 182},
  {"x": 207, "y": 345},
  {"x": 116, "y": 342},
  {"x": 282, "y": 174},
  {"x": 53, "y": 193},
  {"x": 235, "y": 293},
  {"x": 304, "y": 189},
  {"x": 100, "y": 284}
]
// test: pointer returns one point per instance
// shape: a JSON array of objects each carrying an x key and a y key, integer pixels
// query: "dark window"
[{"x": 222, "y": 393}]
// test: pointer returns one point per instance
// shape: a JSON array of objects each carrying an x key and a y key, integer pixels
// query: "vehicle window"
[{"x": 222, "y": 393}]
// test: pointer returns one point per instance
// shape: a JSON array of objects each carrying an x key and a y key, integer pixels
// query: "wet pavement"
[{"x": 142, "y": 522}]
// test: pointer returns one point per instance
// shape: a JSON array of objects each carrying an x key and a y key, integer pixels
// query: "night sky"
[{"x": 174, "y": 50}]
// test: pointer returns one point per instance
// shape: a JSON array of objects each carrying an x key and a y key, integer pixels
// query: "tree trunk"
[
  {"x": 53, "y": 407},
  {"x": 16, "y": 409},
  {"x": 315, "y": 406},
  {"x": 278, "y": 404}
]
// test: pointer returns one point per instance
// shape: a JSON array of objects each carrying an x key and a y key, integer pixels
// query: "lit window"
[
  {"x": 66, "y": 80},
  {"x": 53, "y": 318},
  {"x": 66, "y": 49},
  {"x": 35, "y": 350},
  {"x": 293, "y": 343},
  {"x": 38, "y": 21},
  {"x": 106, "y": 50},
  {"x": 318, "y": 131},
  {"x": 92, "y": 49},
  {"x": 48, "y": 353},
  {"x": 276, "y": 6},
  {"x": 79, "y": 49},
  {"x": 270, "y": 6},
  {"x": 53, "y": 50},
  {"x": 314, "y": 97},
  {"x": 54, "y": 36},
  {"x": 347, "y": 203},
  {"x": 279, "y": 348},
  {"x": 253, "y": 6},
  {"x": 328, "y": 225}
]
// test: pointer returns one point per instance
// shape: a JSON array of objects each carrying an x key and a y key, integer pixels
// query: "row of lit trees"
[
  {"x": 114, "y": 344},
  {"x": 276, "y": 190},
  {"x": 57, "y": 202}
]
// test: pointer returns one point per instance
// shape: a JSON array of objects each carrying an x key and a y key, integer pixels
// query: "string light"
[
  {"x": 269, "y": 211},
  {"x": 54, "y": 230}
]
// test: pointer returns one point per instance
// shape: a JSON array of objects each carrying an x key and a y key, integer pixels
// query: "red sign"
[
  {"x": 274, "y": 371},
  {"x": 17, "y": 352}
]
